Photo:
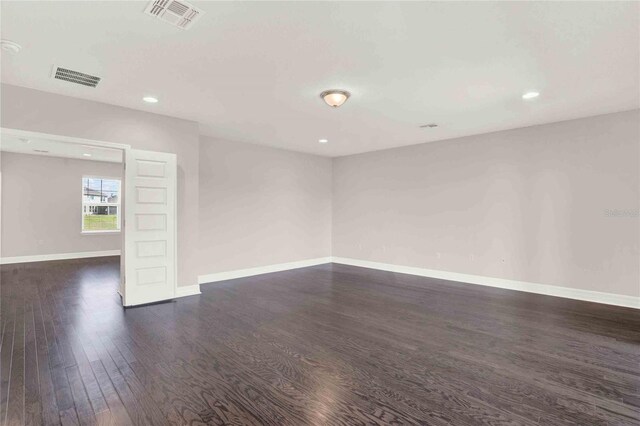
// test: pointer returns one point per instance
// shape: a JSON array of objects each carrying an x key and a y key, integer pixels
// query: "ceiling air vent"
[
  {"x": 75, "y": 76},
  {"x": 177, "y": 13}
]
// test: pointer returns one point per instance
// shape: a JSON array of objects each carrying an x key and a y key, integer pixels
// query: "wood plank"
[
  {"x": 32, "y": 408},
  {"x": 48, "y": 402},
  {"x": 16, "y": 388}
]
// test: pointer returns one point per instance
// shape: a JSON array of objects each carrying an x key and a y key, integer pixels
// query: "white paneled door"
[{"x": 150, "y": 227}]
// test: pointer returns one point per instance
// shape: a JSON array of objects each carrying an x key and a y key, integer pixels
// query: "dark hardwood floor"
[{"x": 330, "y": 344}]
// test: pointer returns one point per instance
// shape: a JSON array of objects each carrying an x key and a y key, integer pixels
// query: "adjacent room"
[
  {"x": 319, "y": 213},
  {"x": 61, "y": 198}
]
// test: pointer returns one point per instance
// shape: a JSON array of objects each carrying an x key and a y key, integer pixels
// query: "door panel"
[{"x": 150, "y": 227}]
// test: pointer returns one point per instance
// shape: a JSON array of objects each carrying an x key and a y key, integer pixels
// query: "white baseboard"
[
  {"x": 188, "y": 290},
  {"x": 184, "y": 291},
  {"x": 549, "y": 290},
  {"x": 58, "y": 256},
  {"x": 545, "y": 289},
  {"x": 240, "y": 273}
]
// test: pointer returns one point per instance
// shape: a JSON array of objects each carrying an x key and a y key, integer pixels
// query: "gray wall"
[
  {"x": 41, "y": 213},
  {"x": 38, "y": 111},
  {"x": 261, "y": 206},
  {"x": 528, "y": 204},
  {"x": 279, "y": 201}
]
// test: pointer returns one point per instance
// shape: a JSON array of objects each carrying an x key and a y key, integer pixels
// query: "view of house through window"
[{"x": 100, "y": 204}]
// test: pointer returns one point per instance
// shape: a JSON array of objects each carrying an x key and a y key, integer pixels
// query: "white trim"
[
  {"x": 240, "y": 273},
  {"x": 549, "y": 290},
  {"x": 184, "y": 291},
  {"x": 545, "y": 289},
  {"x": 100, "y": 232},
  {"x": 60, "y": 138},
  {"x": 188, "y": 290},
  {"x": 58, "y": 256}
]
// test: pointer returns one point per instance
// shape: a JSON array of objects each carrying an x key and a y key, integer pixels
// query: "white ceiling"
[
  {"x": 252, "y": 72},
  {"x": 56, "y": 148}
]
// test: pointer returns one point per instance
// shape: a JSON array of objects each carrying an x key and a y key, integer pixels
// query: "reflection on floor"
[{"x": 330, "y": 344}]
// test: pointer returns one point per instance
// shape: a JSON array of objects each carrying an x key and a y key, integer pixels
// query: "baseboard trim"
[
  {"x": 188, "y": 290},
  {"x": 529, "y": 287},
  {"x": 545, "y": 289},
  {"x": 241, "y": 273},
  {"x": 58, "y": 256}
]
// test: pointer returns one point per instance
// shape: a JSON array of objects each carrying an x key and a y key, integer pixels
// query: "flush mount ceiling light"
[
  {"x": 335, "y": 98},
  {"x": 323, "y": 140},
  {"x": 10, "y": 46},
  {"x": 150, "y": 99},
  {"x": 530, "y": 95},
  {"x": 86, "y": 155}
]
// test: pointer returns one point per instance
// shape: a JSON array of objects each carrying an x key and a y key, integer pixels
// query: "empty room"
[{"x": 319, "y": 213}]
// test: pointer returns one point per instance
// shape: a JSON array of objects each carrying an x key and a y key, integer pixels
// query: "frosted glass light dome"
[{"x": 335, "y": 98}]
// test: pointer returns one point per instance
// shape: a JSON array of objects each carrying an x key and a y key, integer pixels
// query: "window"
[{"x": 100, "y": 205}]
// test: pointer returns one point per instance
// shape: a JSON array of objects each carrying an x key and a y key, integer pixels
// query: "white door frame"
[{"x": 101, "y": 144}]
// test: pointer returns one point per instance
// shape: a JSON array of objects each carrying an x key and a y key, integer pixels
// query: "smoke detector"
[
  {"x": 72, "y": 76},
  {"x": 176, "y": 13}
]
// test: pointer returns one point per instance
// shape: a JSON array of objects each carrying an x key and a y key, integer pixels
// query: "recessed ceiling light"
[
  {"x": 530, "y": 95},
  {"x": 86, "y": 155},
  {"x": 335, "y": 98},
  {"x": 323, "y": 140},
  {"x": 429, "y": 126},
  {"x": 42, "y": 151},
  {"x": 10, "y": 46},
  {"x": 25, "y": 140},
  {"x": 150, "y": 99}
]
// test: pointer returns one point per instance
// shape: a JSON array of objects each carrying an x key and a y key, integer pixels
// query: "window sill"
[{"x": 99, "y": 232}]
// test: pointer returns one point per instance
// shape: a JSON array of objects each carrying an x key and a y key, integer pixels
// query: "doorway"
[{"x": 127, "y": 207}]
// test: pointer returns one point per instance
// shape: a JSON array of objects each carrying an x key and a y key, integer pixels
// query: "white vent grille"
[
  {"x": 177, "y": 13},
  {"x": 77, "y": 77}
]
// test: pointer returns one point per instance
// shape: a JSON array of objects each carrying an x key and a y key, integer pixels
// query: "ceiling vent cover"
[
  {"x": 177, "y": 13},
  {"x": 75, "y": 76}
]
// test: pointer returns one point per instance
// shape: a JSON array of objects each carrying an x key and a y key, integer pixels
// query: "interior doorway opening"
[{"x": 68, "y": 198}]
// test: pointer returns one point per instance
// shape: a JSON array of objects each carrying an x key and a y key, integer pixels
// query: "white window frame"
[{"x": 118, "y": 205}]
